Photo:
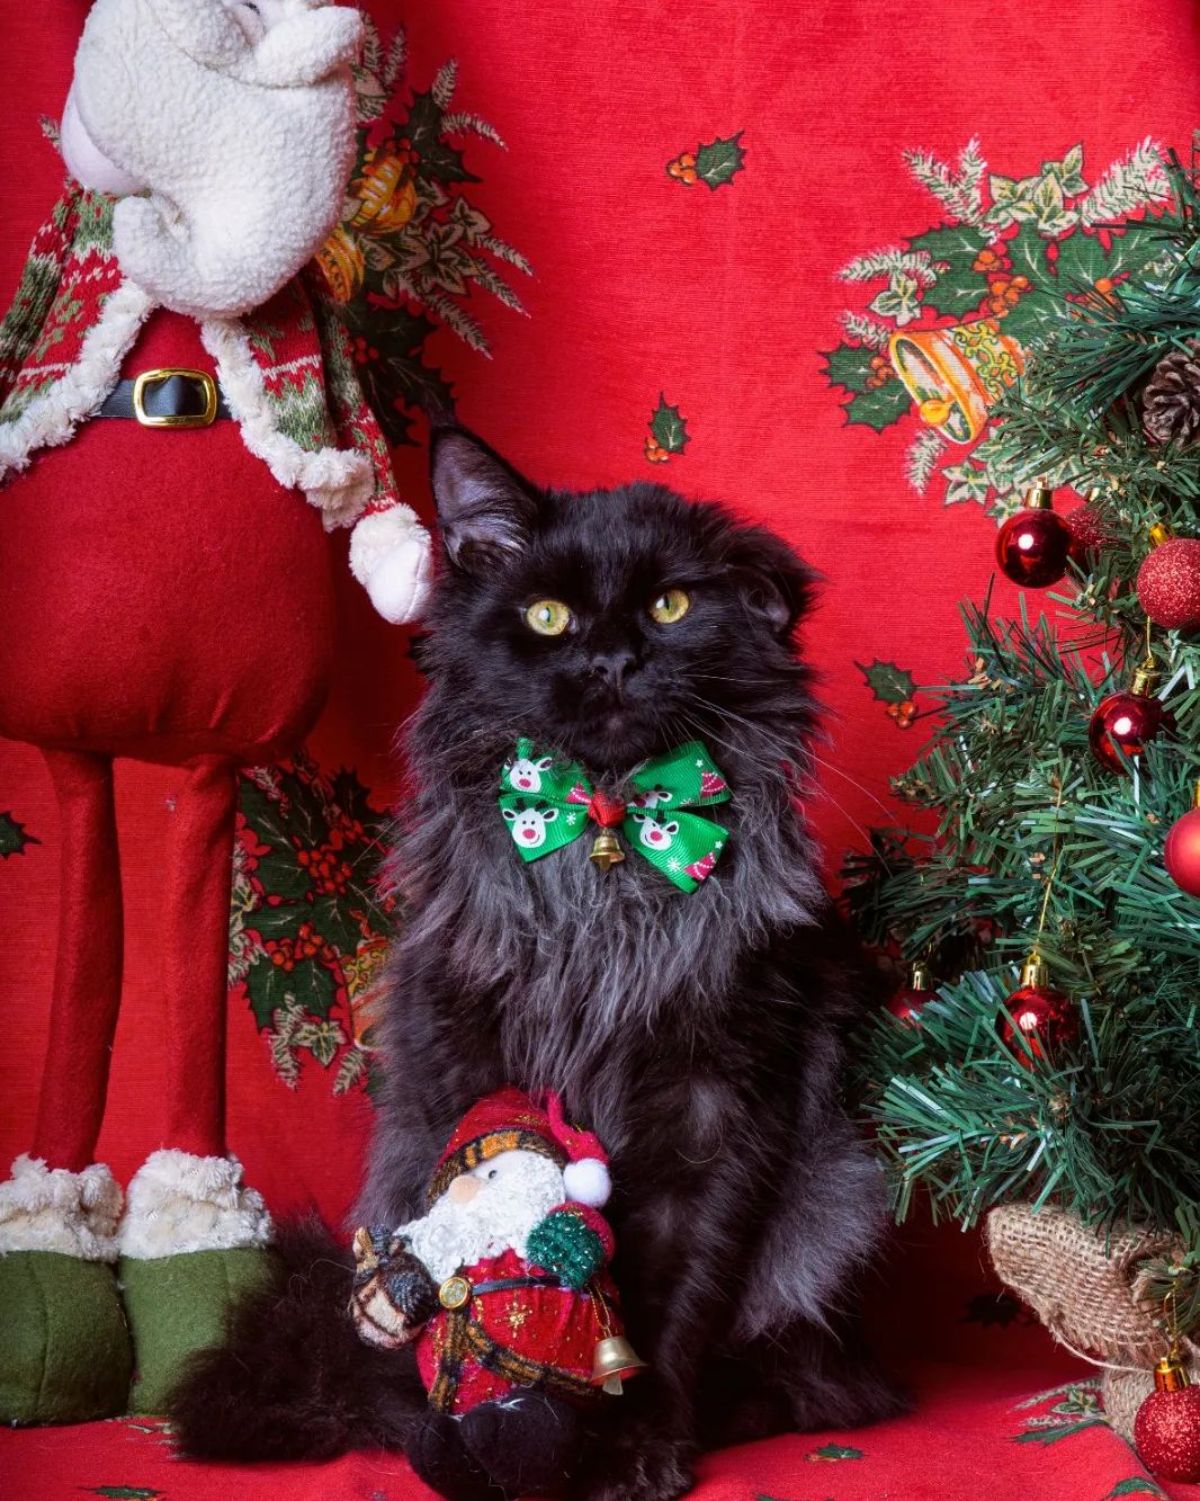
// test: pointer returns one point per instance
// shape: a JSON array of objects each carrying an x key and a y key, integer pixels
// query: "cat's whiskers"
[{"x": 786, "y": 752}]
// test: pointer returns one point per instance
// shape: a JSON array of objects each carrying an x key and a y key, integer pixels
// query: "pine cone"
[{"x": 1171, "y": 400}]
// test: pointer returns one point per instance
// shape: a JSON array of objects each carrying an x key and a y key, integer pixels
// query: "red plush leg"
[
  {"x": 195, "y": 940},
  {"x": 87, "y": 970}
]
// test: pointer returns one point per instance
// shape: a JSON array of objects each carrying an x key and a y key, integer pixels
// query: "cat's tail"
[{"x": 293, "y": 1380}]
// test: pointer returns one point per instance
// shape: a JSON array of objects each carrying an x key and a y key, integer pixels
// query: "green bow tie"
[{"x": 547, "y": 802}]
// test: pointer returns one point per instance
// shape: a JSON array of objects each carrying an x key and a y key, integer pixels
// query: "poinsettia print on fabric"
[
  {"x": 948, "y": 314},
  {"x": 307, "y": 926},
  {"x": 411, "y": 245}
]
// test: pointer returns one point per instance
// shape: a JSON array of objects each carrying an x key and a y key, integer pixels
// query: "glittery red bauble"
[
  {"x": 1045, "y": 1018},
  {"x": 1125, "y": 722},
  {"x": 906, "y": 1005},
  {"x": 1168, "y": 585},
  {"x": 1032, "y": 548},
  {"x": 1181, "y": 854},
  {"x": 1090, "y": 533},
  {"x": 1167, "y": 1433}
]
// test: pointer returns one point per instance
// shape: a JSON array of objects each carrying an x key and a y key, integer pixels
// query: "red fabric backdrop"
[{"x": 649, "y": 292}]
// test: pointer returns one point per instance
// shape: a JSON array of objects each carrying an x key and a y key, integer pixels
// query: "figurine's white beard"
[
  {"x": 498, "y": 1219},
  {"x": 245, "y": 149}
]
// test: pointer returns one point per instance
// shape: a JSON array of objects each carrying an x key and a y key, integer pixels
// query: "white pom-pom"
[
  {"x": 588, "y": 1182},
  {"x": 399, "y": 583},
  {"x": 392, "y": 557}
]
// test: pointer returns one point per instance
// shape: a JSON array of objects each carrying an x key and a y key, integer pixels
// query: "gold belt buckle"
[{"x": 206, "y": 418}]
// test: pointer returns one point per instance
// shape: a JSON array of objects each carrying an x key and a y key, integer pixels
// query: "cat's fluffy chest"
[{"x": 562, "y": 960}]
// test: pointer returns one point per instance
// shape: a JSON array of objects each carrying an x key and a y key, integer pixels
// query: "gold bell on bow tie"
[
  {"x": 615, "y": 1360},
  {"x": 606, "y": 850}
]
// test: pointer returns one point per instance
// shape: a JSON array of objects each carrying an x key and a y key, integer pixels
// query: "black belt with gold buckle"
[{"x": 168, "y": 398}]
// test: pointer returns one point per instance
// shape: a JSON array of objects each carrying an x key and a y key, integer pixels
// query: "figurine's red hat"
[{"x": 509, "y": 1121}]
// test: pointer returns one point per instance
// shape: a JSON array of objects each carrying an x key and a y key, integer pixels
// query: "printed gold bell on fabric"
[
  {"x": 614, "y": 1362},
  {"x": 606, "y": 851}
]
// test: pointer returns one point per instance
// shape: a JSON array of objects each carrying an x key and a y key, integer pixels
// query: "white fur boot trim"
[
  {"x": 392, "y": 557},
  {"x": 339, "y": 482},
  {"x": 53, "y": 1209},
  {"x": 52, "y": 417},
  {"x": 178, "y": 1202}
]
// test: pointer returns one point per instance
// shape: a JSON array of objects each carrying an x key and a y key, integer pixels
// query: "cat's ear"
[
  {"x": 775, "y": 586},
  {"x": 485, "y": 510}
]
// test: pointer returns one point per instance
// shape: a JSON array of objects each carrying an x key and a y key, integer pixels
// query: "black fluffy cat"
[{"x": 701, "y": 1036}]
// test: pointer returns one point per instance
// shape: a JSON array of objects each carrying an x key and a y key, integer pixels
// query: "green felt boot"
[
  {"x": 65, "y": 1352},
  {"x": 177, "y": 1305},
  {"x": 193, "y": 1241}
]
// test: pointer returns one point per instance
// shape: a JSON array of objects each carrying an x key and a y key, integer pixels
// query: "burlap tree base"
[{"x": 1089, "y": 1291}]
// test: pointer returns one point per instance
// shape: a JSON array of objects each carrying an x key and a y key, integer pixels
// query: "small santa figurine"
[{"x": 503, "y": 1287}]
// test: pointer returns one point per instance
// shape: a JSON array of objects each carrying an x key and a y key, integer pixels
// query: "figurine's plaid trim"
[
  {"x": 483, "y": 1149},
  {"x": 466, "y": 1340}
]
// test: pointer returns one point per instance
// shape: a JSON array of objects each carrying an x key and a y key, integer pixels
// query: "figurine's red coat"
[
  {"x": 164, "y": 596},
  {"x": 553, "y": 1326}
]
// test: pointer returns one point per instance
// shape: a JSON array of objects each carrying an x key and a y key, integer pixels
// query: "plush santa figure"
[
  {"x": 180, "y": 424},
  {"x": 502, "y": 1286}
]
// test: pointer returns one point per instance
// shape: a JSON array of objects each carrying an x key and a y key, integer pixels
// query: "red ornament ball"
[
  {"x": 1181, "y": 854},
  {"x": 1032, "y": 548},
  {"x": 1125, "y": 723},
  {"x": 1167, "y": 1433},
  {"x": 907, "y": 1004},
  {"x": 1044, "y": 1017},
  {"x": 1090, "y": 533},
  {"x": 1168, "y": 585}
]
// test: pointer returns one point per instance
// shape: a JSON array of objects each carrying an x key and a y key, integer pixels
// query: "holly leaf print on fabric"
[
  {"x": 954, "y": 251},
  {"x": 123, "y": 1492},
  {"x": 890, "y": 684},
  {"x": 308, "y": 928},
  {"x": 1136, "y": 1485},
  {"x": 849, "y": 366},
  {"x": 833, "y": 1454},
  {"x": 715, "y": 164},
  {"x": 720, "y": 161},
  {"x": 668, "y": 432},
  {"x": 879, "y": 407},
  {"x": 13, "y": 838}
]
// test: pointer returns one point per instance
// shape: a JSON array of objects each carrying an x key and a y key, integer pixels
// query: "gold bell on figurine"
[
  {"x": 607, "y": 851},
  {"x": 615, "y": 1360}
]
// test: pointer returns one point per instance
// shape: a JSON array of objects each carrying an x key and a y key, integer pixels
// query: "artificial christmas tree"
[{"x": 1049, "y": 819}]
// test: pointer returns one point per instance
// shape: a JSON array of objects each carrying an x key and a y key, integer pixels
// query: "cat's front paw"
[{"x": 639, "y": 1464}]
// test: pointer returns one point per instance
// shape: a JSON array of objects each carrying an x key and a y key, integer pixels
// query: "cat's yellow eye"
[
  {"x": 670, "y": 606},
  {"x": 548, "y": 617}
]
